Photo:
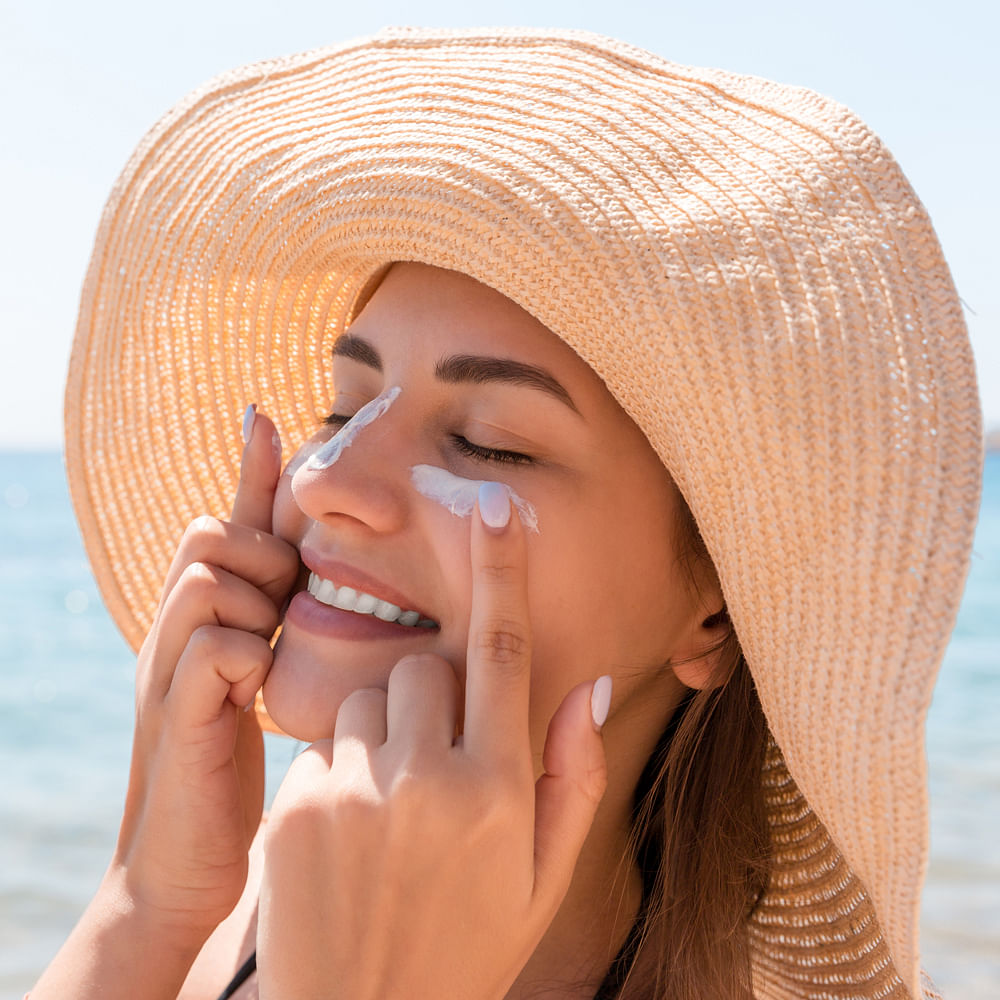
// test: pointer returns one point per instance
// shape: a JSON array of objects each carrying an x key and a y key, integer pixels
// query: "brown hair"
[{"x": 699, "y": 835}]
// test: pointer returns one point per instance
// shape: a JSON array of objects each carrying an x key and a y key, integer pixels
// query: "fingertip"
[
  {"x": 600, "y": 701},
  {"x": 260, "y": 467},
  {"x": 249, "y": 418},
  {"x": 494, "y": 506},
  {"x": 570, "y": 791},
  {"x": 261, "y": 443},
  {"x": 573, "y": 742}
]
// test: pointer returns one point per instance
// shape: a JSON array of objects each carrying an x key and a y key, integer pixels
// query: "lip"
[{"x": 344, "y": 575}]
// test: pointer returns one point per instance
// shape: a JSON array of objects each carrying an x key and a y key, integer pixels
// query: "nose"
[{"x": 359, "y": 477}]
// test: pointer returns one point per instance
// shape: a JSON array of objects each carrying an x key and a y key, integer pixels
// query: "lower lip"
[{"x": 310, "y": 615}]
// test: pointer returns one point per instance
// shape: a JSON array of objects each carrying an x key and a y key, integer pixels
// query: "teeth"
[
  {"x": 365, "y": 604},
  {"x": 349, "y": 599},
  {"x": 345, "y": 598},
  {"x": 386, "y": 611}
]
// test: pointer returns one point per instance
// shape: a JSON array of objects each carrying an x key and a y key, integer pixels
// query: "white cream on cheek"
[
  {"x": 459, "y": 495},
  {"x": 330, "y": 451}
]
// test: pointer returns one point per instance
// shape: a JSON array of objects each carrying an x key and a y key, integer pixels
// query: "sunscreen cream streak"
[
  {"x": 344, "y": 438},
  {"x": 458, "y": 495}
]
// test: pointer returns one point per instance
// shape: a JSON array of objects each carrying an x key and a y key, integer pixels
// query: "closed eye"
[
  {"x": 475, "y": 451},
  {"x": 483, "y": 454}
]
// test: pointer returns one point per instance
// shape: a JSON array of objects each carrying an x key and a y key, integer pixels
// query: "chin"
[
  {"x": 301, "y": 718},
  {"x": 303, "y": 694}
]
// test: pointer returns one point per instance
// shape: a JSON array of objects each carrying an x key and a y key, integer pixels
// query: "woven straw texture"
[{"x": 742, "y": 263}]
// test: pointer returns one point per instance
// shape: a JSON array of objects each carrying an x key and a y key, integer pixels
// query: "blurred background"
[{"x": 81, "y": 83}]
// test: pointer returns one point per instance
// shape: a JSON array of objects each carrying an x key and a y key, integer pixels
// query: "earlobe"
[{"x": 702, "y": 667}]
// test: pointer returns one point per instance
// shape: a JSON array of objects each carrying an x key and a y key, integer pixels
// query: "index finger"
[
  {"x": 259, "y": 471},
  {"x": 498, "y": 659}
]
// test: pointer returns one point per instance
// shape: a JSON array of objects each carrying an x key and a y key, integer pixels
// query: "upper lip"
[{"x": 344, "y": 575}]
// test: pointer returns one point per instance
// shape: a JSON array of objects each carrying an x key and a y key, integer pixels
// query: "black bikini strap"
[{"x": 243, "y": 973}]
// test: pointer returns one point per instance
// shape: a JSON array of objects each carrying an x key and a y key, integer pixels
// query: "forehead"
[
  {"x": 421, "y": 317},
  {"x": 424, "y": 312}
]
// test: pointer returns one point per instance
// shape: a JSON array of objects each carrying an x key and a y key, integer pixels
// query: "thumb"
[
  {"x": 568, "y": 793},
  {"x": 259, "y": 470}
]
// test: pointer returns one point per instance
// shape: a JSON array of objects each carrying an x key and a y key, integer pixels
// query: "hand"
[
  {"x": 402, "y": 862},
  {"x": 196, "y": 785}
]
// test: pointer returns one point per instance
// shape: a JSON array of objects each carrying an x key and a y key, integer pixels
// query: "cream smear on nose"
[
  {"x": 459, "y": 495},
  {"x": 328, "y": 454}
]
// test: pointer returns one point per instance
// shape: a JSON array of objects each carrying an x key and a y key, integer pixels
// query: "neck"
[
  {"x": 594, "y": 919},
  {"x": 602, "y": 902}
]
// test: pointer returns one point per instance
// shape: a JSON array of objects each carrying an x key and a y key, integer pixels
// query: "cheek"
[
  {"x": 603, "y": 600},
  {"x": 566, "y": 629}
]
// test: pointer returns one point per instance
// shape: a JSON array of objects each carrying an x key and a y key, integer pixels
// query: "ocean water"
[{"x": 66, "y": 711}]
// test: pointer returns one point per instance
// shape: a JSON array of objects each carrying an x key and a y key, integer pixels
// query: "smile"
[{"x": 349, "y": 599}]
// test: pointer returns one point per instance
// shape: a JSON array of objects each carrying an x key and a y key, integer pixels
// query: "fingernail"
[
  {"x": 494, "y": 505},
  {"x": 600, "y": 700},
  {"x": 248, "y": 418}
]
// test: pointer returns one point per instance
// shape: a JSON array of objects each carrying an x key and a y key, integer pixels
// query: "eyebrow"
[
  {"x": 465, "y": 368},
  {"x": 480, "y": 370},
  {"x": 349, "y": 346}
]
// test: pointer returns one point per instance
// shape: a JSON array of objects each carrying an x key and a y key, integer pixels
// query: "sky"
[{"x": 80, "y": 83}]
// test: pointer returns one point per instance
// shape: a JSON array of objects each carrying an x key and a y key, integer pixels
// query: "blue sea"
[{"x": 66, "y": 711}]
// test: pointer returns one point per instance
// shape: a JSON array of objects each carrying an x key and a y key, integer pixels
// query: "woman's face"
[{"x": 486, "y": 393}]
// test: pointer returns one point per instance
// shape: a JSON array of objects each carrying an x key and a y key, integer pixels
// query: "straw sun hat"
[{"x": 742, "y": 263}]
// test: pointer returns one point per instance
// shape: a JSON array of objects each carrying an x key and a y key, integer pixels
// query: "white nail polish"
[
  {"x": 600, "y": 700},
  {"x": 249, "y": 416}
]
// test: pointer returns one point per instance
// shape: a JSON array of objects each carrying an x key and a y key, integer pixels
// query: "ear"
[{"x": 697, "y": 663}]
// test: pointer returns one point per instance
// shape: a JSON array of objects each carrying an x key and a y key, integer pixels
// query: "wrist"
[
  {"x": 118, "y": 943},
  {"x": 181, "y": 934}
]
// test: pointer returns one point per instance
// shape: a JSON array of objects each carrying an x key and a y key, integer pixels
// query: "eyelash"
[
  {"x": 497, "y": 455},
  {"x": 462, "y": 444}
]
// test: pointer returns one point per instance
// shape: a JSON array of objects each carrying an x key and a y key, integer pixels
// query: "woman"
[{"x": 650, "y": 396}]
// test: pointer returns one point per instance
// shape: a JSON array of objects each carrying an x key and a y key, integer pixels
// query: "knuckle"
[
  {"x": 199, "y": 578},
  {"x": 269, "y": 621},
  {"x": 420, "y": 797},
  {"x": 359, "y": 707},
  {"x": 201, "y": 540},
  {"x": 409, "y": 792},
  {"x": 503, "y": 642},
  {"x": 297, "y": 817},
  {"x": 364, "y": 700},
  {"x": 356, "y": 811},
  {"x": 409, "y": 667},
  {"x": 206, "y": 524},
  {"x": 499, "y": 574},
  {"x": 202, "y": 529},
  {"x": 418, "y": 668},
  {"x": 207, "y": 643},
  {"x": 594, "y": 783},
  {"x": 286, "y": 561}
]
